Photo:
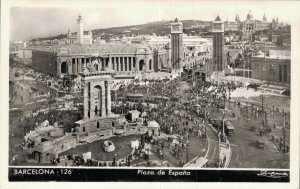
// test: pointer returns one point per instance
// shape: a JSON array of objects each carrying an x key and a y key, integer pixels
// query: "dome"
[
  {"x": 249, "y": 16},
  {"x": 143, "y": 50},
  {"x": 153, "y": 124}
]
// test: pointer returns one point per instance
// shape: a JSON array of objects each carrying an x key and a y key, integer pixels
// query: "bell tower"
[
  {"x": 218, "y": 45},
  {"x": 177, "y": 44}
]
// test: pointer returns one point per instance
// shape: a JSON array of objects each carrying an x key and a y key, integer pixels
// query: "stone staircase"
[{"x": 273, "y": 89}]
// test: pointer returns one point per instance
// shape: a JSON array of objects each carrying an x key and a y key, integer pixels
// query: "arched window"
[
  {"x": 150, "y": 64},
  {"x": 97, "y": 96},
  {"x": 64, "y": 68},
  {"x": 141, "y": 65}
]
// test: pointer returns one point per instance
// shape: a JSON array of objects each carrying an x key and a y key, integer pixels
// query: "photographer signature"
[{"x": 273, "y": 174}]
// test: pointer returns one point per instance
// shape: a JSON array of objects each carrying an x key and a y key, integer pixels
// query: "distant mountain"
[{"x": 159, "y": 28}]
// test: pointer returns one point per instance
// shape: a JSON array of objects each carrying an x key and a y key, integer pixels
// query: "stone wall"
[
  {"x": 269, "y": 69},
  {"x": 91, "y": 125}
]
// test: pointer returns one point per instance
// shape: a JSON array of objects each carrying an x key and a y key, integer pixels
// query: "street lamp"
[
  {"x": 224, "y": 96},
  {"x": 262, "y": 104},
  {"x": 115, "y": 160},
  {"x": 284, "y": 133},
  {"x": 223, "y": 125},
  {"x": 187, "y": 150}
]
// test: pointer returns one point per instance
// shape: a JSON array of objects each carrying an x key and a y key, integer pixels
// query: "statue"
[{"x": 91, "y": 68}]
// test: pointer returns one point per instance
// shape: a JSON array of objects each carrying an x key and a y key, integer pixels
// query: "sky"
[{"x": 33, "y": 20}]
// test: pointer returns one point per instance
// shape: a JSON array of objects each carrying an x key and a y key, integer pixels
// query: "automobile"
[
  {"x": 260, "y": 144},
  {"x": 229, "y": 128}
]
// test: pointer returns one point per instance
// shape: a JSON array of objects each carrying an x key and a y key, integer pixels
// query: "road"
[
  {"x": 245, "y": 154},
  {"x": 213, "y": 152}
]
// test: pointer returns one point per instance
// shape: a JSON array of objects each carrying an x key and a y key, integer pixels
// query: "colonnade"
[{"x": 125, "y": 63}]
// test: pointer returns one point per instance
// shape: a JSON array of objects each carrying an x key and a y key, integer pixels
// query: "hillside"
[{"x": 159, "y": 28}]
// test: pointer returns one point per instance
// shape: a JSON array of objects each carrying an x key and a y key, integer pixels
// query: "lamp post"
[
  {"x": 224, "y": 97},
  {"x": 223, "y": 129},
  {"x": 187, "y": 150},
  {"x": 262, "y": 104},
  {"x": 284, "y": 133},
  {"x": 49, "y": 101},
  {"x": 115, "y": 160},
  {"x": 205, "y": 124}
]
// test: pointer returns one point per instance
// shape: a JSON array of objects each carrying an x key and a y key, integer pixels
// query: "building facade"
[
  {"x": 250, "y": 25},
  {"x": 275, "y": 66},
  {"x": 218, "y": 45},
  {"x": 122, "y": 58}
]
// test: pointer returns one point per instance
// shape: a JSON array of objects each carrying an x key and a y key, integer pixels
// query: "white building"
[{"x": 81, "y": 36}]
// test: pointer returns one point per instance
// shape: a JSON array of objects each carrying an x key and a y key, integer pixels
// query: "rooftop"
[
  {"x": 275, "y": 54},
  {"x": 218, "y": 18},
  {"x": 97, "y": 49}
]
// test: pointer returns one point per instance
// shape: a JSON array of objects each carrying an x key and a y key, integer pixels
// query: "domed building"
[
  {"x": 79, "y": 53},
  {"x": 249, "y": 25}
]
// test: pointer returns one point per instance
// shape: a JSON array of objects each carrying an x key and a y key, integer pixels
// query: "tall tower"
[
  {"x": 264, "y": 18},
  {"x": 218, "y": 45},
  {"x": 80, "y": 30},
  {"x": 177, "y": 44},
  {"x": 237, "y": 18}
]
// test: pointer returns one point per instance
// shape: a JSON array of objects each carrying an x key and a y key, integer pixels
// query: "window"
[
  {"x": 150, "y": 64},
  {"x": 285, "y": 73},
  {"x": 133, "y": 64},
  {"x": 280, "y": 71}
]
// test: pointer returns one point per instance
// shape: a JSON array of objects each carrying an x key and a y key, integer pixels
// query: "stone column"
[
  {"x": 109, "y": 63},
  {"x": 103, "y": 108},
  {"x": 159, "y": 62},
  {"x": 102, "y": 62},
  {"x": 84, "y": 62},
  {"x": 76, "y": 65},
  {"x": 92, "y": 101},
  {"x": 121, "y": 63},
  {"x": 125, "y": 63},
  {"x": 85, "y": 100},
  {"x": 108, "y": 98},
  {"x": 131, "y": 63},
  {"x": 146, "y": 63},
  {"x": 137, "y": 62},
  {"x": 69, "y": 61},
  {"x": 113, "y": 63},
  {"x": 80, "y": 65},
  {"x": 58, "y": 67}
]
